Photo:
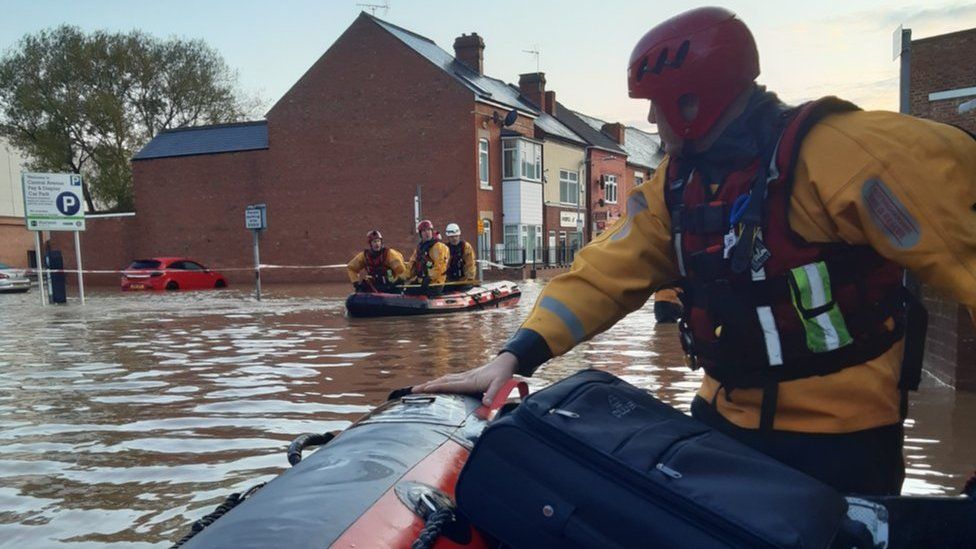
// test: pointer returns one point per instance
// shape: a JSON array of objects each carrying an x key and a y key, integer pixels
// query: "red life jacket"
[
  {"x": 455, "y": 267},
  {"x": 376, "y": 264},
  {"x": 774, "y": 308},
  {"x": 424, "y": 262}
]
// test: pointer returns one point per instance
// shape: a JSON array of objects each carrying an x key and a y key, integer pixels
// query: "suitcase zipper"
[{"x": 702, "y": 517}]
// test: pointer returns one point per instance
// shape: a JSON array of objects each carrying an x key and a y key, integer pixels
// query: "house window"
[
  {"x": 568, "y": 187},
  {"x": 513, "y": 252},
  {"x": 484, "y": 240},
  {"x": 510, "y": 168},
  {"x": 521, "y": 159},
  {"x": 483, "y": 163},
  {"x": 638, "y": 178},
  {"x": 610, "y": 188},
  {"x": 531, "y": 161}
]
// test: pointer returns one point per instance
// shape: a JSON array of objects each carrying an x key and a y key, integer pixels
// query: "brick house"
[
  {"x": 942, "y": 81},
  {"x": 384, "y": 112}
]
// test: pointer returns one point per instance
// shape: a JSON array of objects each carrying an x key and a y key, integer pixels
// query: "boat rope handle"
[{"x": 487, "y": 412}]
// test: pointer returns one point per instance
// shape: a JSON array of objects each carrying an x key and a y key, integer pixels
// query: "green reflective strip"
[{"x": 826, "y": 331}]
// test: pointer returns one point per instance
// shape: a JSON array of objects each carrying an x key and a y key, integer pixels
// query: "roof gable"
[{"x": 484, "y": 87}]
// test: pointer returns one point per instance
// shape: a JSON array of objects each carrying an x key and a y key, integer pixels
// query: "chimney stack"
[
  {"x": 533, "y": 86},
  {"x": 551, "y": 102},
  {"x": 616, "y": 131},
  {"x": 470, "y": 50}
]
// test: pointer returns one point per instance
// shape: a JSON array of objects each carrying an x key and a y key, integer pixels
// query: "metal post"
[
  {"x": 416, "y": 208},
  {"x": 257, "y": 265},
  {"x": 40, "y": 266},
  {"x": 905, "y": 76},
  {"x": 81, "y": 278}
]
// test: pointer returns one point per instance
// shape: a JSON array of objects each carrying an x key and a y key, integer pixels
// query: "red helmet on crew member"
[
  {"x": 425, "y": 224},
  {"x": 373, "y": 235},
  {"x": 705, "y": 53}
]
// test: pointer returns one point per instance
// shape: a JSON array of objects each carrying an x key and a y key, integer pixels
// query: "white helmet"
[{"x": 453, "y": 230}]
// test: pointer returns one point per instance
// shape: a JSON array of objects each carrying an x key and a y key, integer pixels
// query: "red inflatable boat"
[{"x": 368, "y": 304}]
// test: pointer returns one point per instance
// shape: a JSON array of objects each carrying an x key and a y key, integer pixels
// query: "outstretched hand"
[{"x": 487, "y": 379}]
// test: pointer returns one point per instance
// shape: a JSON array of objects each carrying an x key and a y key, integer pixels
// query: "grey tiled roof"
[
  {"x": 579, "y": 126},
  {"x": 484, "y": 87},
  {"x": 221, "y": 138},
  {"x": 642, "y": 148}
]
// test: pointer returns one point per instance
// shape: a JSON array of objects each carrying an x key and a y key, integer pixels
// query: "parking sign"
[{"x": 53, "y": 202}]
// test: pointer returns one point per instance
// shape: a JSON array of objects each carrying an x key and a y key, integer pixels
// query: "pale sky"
[{"x": 807, "y": 49}]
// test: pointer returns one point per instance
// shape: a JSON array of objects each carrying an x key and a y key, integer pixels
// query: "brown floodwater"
[{"x": 124, "y": 420}]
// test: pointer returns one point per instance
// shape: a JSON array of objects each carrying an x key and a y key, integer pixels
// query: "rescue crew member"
[
  {"x": 377, "y": 268},
  {"x": 667, "y": 305},
  {"x": 428, "y": 264},
  {"x": 463, "y": 265},
  {"x": 788, "y": 228}
]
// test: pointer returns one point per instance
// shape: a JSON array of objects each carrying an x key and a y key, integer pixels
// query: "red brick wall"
[
  {"x": 107, "y": 244},
  {"x": 601, "y": 163},
  {"x": 943, "y": 63},
  {"x": 352, "y": 139},
  {"x": 15, "y": 241},
  {"x": 194, "y": 206}
]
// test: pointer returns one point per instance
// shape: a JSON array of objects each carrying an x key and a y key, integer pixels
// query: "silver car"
[{"x": 13, "y": 280}]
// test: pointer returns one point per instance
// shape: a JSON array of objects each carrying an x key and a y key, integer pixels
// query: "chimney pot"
[{"x": 470, "y": 50}]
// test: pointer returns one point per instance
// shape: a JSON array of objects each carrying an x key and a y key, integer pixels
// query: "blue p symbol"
[{"x": 68, "y": 203}]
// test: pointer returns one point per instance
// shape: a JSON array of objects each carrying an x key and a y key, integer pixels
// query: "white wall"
[
  {"x": 522, "y": 202},
  {"x": 11, "y": 197}
]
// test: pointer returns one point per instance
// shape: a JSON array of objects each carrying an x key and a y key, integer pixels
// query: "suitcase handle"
[{"x": 488, "y": 412}]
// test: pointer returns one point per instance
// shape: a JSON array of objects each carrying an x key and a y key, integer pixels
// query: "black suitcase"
[{"x": 592, "y": 461}]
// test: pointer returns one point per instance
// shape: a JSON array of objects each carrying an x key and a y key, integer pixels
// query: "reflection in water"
[{"x": 123, "y": 421}]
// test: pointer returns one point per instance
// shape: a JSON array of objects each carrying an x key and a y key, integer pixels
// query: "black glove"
[{"x": 359, "y": 286}]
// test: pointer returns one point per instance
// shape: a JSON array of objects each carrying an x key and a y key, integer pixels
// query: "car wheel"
[
  {"x": 171, "y": 285},
  {"x": 220, "y": 283}
]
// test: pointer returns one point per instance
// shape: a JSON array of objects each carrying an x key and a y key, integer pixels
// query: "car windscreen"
[{"x": 144, "y": 264}]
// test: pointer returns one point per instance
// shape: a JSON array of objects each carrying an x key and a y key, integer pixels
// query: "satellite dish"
[{"x": 511, "y": 117}]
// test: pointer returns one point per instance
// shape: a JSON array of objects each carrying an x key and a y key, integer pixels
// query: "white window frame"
[
  {"x": 638, "y": 178},
  {"x": 569, "y": 178},
  {"x": 484, "y": 165},
  {"x": 527, "y": 161},
  {"x": 610, "y": 188}
]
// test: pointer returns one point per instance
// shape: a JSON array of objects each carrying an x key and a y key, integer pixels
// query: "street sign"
[
  {"x": 53, "y": 201},
  {"x": 256, "y": 217}
]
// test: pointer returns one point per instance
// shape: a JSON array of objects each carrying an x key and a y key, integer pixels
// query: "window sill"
[{"x": 486, "y": 188}]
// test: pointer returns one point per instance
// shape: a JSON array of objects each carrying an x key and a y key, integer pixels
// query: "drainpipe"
[{"x": 588, "y": 168}]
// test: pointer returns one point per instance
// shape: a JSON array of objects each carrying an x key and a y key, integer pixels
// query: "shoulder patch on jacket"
[{"x": 890, "y": 215}]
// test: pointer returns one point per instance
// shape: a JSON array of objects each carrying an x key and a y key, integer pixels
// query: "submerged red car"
[{"x": 170, "y": 273}]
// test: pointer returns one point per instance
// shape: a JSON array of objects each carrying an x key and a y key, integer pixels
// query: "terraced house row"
[{"x": 384, "y": 115}]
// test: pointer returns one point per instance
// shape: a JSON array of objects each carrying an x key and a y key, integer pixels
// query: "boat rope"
[
  {"x": 304, "y": 440},
  {"x": 229, "y": 503},
  {"x": 435, "y": 523}
]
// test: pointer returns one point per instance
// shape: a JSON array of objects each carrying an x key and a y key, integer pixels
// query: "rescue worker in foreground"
[
  {"x": 463, "y": 266},
  {"x": 428, "y": 264},
  {"x": 377, "y": 268},
  {"x": 787, "y": 228}
]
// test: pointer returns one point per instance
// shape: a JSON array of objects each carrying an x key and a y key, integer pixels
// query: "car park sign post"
[
  {"x": 53, "y": 202},
  {"x": 256, "y": 220}
]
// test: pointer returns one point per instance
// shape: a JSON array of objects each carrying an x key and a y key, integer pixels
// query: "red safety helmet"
[
  {"x": 373, "y": 235},
  {"x": 705, "y": 52},
  {"x": 425, "y": 224}
]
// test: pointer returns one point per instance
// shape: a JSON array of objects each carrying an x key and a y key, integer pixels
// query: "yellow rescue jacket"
[
  {"x": 436, "y": 267},
  {"x": 469, "y": 261},
  {"x": 928, "y": 168},
  {"x": 393, "y": 264}
]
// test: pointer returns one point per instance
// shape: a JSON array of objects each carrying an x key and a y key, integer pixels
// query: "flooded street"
[{"x": 124, "y": 420}]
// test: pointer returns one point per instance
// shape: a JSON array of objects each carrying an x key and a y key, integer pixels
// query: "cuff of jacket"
[{"x": 530, "y": 349}]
